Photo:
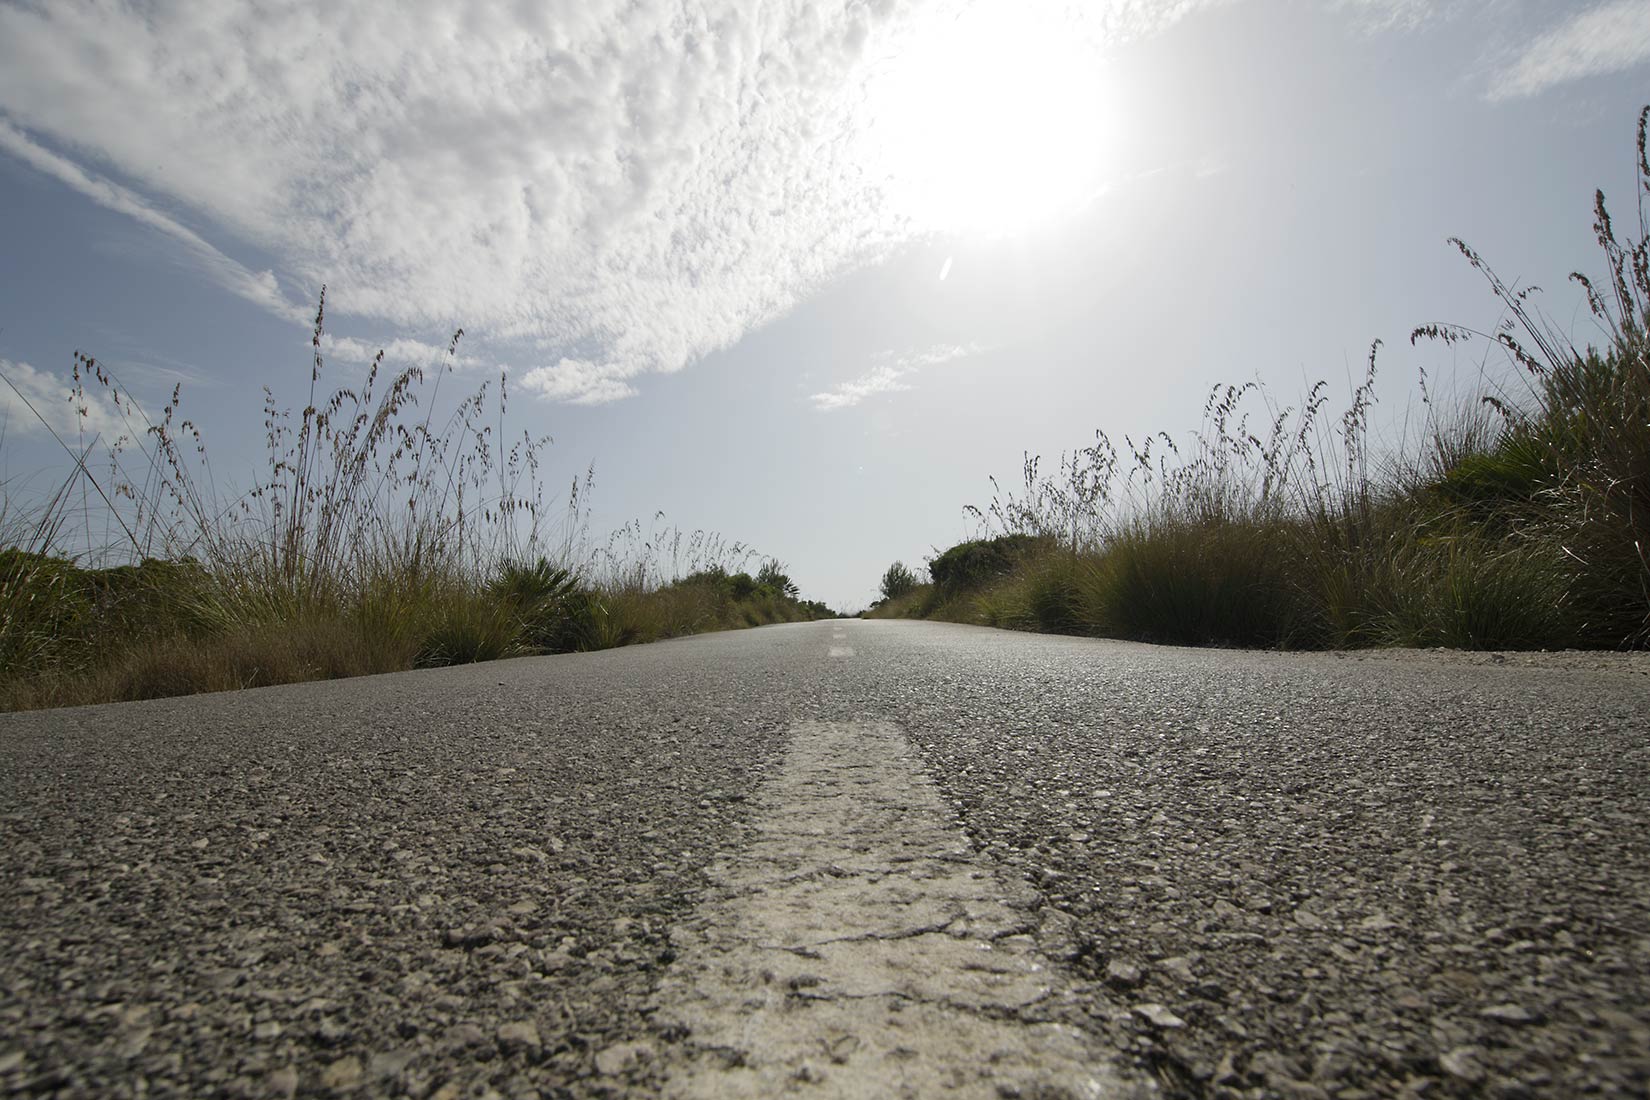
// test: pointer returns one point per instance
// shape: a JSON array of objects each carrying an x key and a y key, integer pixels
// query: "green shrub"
[
  {"x": 897, "y": 581},
  {"x": 977, "y": 562},
  {"x": 772, "y": 575},
  {"x": 1488, "y": 482},
  {"x": 532, "y": 585},
  {"x": 553, "y": 613}
]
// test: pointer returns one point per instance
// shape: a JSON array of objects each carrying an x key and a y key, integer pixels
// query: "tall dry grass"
[
  {"x": 1519, "y": 518},
  {"x": 389, "y": 529}
]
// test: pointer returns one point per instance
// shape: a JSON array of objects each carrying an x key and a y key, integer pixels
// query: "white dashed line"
[{"x": 858, "y": 947}]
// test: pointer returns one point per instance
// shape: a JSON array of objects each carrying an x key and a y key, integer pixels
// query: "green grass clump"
[
  {"x": 1469, "y": 591},
  {"x": 1197, "y": 583},
  {"x": 1054, "y": 593}
]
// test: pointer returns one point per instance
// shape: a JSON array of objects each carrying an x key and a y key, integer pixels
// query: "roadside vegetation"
[
  {"x": 1518, "y": 518},
  {"x": 377, "y": 539}
]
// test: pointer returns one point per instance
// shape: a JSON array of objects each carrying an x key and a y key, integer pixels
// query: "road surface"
[{"x": 842, "y": 859}]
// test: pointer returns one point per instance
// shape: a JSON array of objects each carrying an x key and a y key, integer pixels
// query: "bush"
[
  {"x": 553, "y": 613},
  {"x": 977, "y": 562},
  {"x": 772, "y": 575},
  {"x": 897, "y": 581}
]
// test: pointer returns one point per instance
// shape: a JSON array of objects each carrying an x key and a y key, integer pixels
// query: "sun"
[{"x": 993, "y": 120}]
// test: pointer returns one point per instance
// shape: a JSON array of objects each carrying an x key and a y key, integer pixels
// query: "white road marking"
[
  {"x": 842, "y": 651},
  {"x": 858, "y": 947}
]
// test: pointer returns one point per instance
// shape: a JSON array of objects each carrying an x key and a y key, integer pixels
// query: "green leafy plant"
[{"x": 897, "y": 581}]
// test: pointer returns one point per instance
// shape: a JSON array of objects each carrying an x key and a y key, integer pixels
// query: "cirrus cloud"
[
  {"x": 889, "y": 375},
  {"x": 258, "y": 287},
  {"x": 1607, "y": 38}
]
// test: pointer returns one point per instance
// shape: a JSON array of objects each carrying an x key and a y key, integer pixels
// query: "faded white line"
[
  {"x": 842, "y": 651},
  {"x": 858, "y": 947}
]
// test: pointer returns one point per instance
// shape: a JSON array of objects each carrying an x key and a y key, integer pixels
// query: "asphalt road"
[{"x": 1257, "y": 874}]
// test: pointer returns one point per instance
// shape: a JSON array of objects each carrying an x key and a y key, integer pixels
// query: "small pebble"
[
  {"x": 1122, "y": 973},
  {"x": 342, "y": 1075},
  {"x": 1462, "y": 1062},
  {"x": 1159, "y": 1015},
  {"x": 1509, "y": 1014}
]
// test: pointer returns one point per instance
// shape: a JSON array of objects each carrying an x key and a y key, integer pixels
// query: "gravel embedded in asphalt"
[
  {"x": 432, "y": 881},
  {"x": 1266, "y": 874},
  {"x": 1342, "y": 875}
]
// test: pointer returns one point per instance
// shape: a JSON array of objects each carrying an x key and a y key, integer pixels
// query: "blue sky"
[{"x": 801, "y": 273}]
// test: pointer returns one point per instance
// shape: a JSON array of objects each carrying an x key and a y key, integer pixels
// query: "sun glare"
[{"x": 992, "y": 120}]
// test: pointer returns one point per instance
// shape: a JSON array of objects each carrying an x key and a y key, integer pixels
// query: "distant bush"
[
  {"x": 772, "y": 575},
  {"x": 897, "y": 581},
  {"x": 977, "y": 562}
]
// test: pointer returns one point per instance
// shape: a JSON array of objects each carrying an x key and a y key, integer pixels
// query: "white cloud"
[
  {"x": 400, "y": 352},
  {"x": 258, "y": 287},
  {"x": 889, "y": 377},
  {"x": 872, "y": 382},
  {"x": 1389, "y": 15},
  {"x": 29, "y": 396},
  {"x": 580, "y": 383},
  {"x": 1609, "y": 38},
  {"x": 625, "y": 185}
]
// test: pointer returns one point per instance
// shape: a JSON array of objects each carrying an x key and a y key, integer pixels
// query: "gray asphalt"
[{"x": 1371, "y": 875}]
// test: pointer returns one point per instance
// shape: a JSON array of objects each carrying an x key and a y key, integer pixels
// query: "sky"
[{"x": 801, "y": 272}]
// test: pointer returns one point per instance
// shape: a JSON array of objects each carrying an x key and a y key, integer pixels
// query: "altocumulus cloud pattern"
[
  {"x": 606, "y": 187},
  {"x": 618, "y": 187}
]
